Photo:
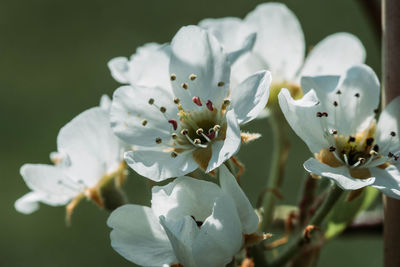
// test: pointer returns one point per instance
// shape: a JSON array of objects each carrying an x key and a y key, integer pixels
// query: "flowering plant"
[{"x": 177, "y": 120}]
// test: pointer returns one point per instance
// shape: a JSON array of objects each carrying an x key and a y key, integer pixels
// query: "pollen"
[
  {"x": 220, "y": 84},
  {"x": 184, "y": 86},
  {"x": 357, "y": 95},
  {"x": 192, "y": 77},
  {"x": 144, "y": 122},
  {"x": 174, "y": 154},
  {"x": 393, "y": 134},
  {"x": 174, "y": 136},
  {"x": 158, "y": 140},
  {"x": 151, "y": 101},
  {"x": 177, "y": 100},
  {"x": 335, "y": 103},
  {"x": 163, "y": 109},
  {"x": 173, "y": 77}
]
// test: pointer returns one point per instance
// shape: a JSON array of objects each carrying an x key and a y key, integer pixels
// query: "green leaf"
[{"x": 344, "y": 212}]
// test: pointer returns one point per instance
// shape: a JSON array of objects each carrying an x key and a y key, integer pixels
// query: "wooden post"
[{"x": 391, "y": 84}]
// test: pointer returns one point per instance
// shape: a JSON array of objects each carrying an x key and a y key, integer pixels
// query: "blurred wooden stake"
[{"x": 391, "y": 83}]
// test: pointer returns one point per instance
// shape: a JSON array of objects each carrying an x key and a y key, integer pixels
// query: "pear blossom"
[
  {"x": 190, "y": 222},
  {"x": 280, "y": 47},
  {"x": 336, "y": 119},
  {"x": 89, "y": 155},
  {"x": 179, "y": 110}
]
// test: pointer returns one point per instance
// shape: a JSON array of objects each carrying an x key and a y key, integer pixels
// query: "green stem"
[
  {"x": 280, "y": 148},
  {"x": 294, "y": 248}
]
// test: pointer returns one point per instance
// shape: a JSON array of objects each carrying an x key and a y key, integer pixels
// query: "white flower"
[
  {"x": 88, "y": 155},
  {"x": 335, "y": 118},
  {"x": 280, "y": 47},
  {"x": 190, "y": 222},
  {"x": 180, "y": 109}
]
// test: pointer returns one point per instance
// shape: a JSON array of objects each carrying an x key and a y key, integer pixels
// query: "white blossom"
[
  {"x": 336, "y": 119},
  {"x": 280, "y": 47},
  {"x": 190, "y": 222},
  {"x": 88, "y": 153},
  {"x": 179, "y": 109}
]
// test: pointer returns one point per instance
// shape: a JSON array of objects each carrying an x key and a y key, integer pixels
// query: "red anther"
[
  {"x": 197, "y": 101},
  {"x": 174, "y": 124},
  {"x": 209, "y": 105},
  {"x": 211, "y": 135}
]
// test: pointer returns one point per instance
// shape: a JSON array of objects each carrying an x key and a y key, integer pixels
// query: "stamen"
[
  {"x": 174, "y": 136},
  {"x": 184, "y": 132},
  {"x": 176, "y": 100},
  {"x": 376, "y": 148},
  {"x": 345, "y": 159},
  {"x": 163, "y": 109},
  {"x": 197, "y": 141},
  {"x": 220, "y": 84},
  {"x": 173, "y": 77},
  {"x": 332, "y": 149},
  {"x": 151, "y": 101},
  {"x": 174, "y": 124},
  {"x": 227, "y": 102},
  {"x": 217, "y": 127},
  {"x": 158, "y": 140},
  {"x": 209, "y": 105},
  {"x": 192, "y": 77},
  {"x": 333, "y": 131},
  {"x": 184, "y": 86},
  {"x": 369, "y": 141},
  {"x": 351, "y": 139},
  {"x": 144, "y": 122},
  {"x": 199, "y": 131},
  {"x": 197, "y": 101}
]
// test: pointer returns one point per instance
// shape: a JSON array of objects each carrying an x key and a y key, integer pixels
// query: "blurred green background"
[{"x": 53, "y": 57}]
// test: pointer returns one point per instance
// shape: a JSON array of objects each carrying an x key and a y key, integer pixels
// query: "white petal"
[
  {"x": 220, "y": 236},
  {"x": 356, "y": 113},
  {"x": 92, "y": 147},
  {"x": 334, "y": 55},
  {"x": 50, "y": 182},
  {"x": 137, "y": 122},
  {"x": 147, "y": 67},
  {"x": 389, "y": 123},
  {"x": 185, "y": 196},
  {"x": 105, "y": 103},
  {"x": 340, "y": 175},
  {"x": 159, "y": 165},
  {"x": 138, "y": 236},
  {"x": 195, "y": 51},
  {"x": 248, "y": 217},
  {"x": 250, "y": 97},
  {"x": 119, "y": 69},
  {"x": 28, "y": 203},
  {"x": 387, "y": 180},
  {"x": 229, "y": 31},
  {"x": 223, "y": 150},
  {"x": 181, "y": 234},
  {"x": 280, "y": 40},
  {"x": 235, "y": 37},
  {"x": 297, "y": 111}
]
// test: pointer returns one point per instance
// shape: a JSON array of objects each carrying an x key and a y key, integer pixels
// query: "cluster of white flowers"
[{"x": 180, "y": 109}]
